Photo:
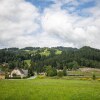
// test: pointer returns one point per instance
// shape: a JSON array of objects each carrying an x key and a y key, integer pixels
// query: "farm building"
[{"x": 19, "y": 72}]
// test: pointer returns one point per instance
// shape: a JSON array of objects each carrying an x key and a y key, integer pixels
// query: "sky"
[{"x": 49, "y": 23}]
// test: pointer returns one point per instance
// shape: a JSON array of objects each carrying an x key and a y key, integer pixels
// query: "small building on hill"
[
  {"x": 17, "y": 72},
  {"x": 2, "y": 75},
  {"x": 5, "y": 64}
]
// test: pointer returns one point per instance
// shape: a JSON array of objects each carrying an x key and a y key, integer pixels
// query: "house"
[
  {"x": 2, "y": 75},
  {"x": 43, "y": 73},
  {"x": 17, "y": 72},
  {"x": 5, "y": 64}
]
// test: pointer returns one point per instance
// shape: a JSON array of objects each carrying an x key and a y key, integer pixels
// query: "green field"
[
  {"x": 85, "y": 73},
  {"x": 45, "y": 52},
  {"x": 49, "y": 89},
  {"x": 58, "y": 52}
]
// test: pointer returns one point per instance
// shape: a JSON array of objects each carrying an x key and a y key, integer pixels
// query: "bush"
[
  {"x": 60, "y": 74},
  {"x": 41, "y": 76},
  {"x": 93, "y": 77},
  {"x": 98, "y": 79},
  {"x": 12, "y": 77},
  {"x": 86, "y": 78},
  {"x": 30, "y": 72},
  {"x": 16, "y": 77},
  {"x": 65, "y": 71},
  {"x": 26, "y": 77}
]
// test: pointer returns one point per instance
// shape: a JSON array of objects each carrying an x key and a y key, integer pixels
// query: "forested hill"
[{"x": 57, "y": 57}]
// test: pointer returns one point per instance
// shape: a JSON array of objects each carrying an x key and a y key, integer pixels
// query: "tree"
[
  {"x": 73, "y": 65},
  {"x": 65, "y": 71},
  {"x": 54, "y": 71},
  {"x": 30, "y": 72},
  {"x": 93, "y": 76},
  {"x": 51, "y": 71}
]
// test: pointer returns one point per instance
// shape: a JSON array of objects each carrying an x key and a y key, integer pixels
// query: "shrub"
[
  {"x": 41, "y": 76},
  {"x": 65, "y": 71},
  {"x": 60, "y": 74},
  {"x": 93, "y": 77},
  {"x": 85, "y": 78},
  {"x": 16, "y": 77},
  {"x": 26, "y": 77},
  {"x": 12, "y": 77},
  {"x": 30, "y": 72},
  {"x": 98, "y": 79}
]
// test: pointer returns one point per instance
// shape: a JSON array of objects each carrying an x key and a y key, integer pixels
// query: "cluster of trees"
[
  {"x": 53, "y": 71},
  {"x": 71, "y": 58}
]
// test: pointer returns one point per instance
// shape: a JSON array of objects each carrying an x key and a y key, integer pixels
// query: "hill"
[{"x": 57, "y": 57}]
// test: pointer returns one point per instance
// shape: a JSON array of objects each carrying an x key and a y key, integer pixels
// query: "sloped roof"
[{"x": 25, "y": 72}]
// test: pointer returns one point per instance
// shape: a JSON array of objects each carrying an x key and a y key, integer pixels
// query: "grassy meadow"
[{"x": 49, "y": 89}]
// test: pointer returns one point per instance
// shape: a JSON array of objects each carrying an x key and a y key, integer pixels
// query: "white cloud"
[
  {"x": 17, "y": 18},
  {"x": 21, "y": 24},
  {"x": 72, "y": 28}
]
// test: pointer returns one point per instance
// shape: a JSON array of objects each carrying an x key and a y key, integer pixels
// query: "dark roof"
[
  {"x": 16, "y": 68},
  {"x": 21, "y": 70}
]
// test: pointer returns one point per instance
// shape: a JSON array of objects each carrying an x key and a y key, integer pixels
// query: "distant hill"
[
  {"x": 65, "y": 48},
  {"x": 57, "y": 57}
]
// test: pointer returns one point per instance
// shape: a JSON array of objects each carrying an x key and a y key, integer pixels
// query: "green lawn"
[{"x": 49, "y": 89}]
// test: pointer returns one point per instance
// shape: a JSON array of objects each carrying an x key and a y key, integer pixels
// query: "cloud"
[
  {"x": 22, "y": 24},
  {"x": 72, "y": 28},
  {"x": 17, "y": 19}
]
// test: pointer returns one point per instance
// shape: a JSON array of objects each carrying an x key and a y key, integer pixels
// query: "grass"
[
  {"x": 27, "y": 61},
  {"x": 31, "y": 51},
  {"x": 85, "y": 73},
  {"x": 49, "y": 89},
  {"x": 58, "y": 52},
  {"x": 45, "y": 52}
]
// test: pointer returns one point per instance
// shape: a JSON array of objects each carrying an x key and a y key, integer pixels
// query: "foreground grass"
[{"x": 49, "y": 89}]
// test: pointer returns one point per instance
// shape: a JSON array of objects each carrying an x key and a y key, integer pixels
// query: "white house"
[{"x": 19, "y": 72}]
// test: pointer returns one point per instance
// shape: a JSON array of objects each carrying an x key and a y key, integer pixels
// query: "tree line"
[{"x": 70, "y": 58}]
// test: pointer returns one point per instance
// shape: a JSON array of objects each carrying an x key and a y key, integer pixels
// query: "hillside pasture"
[
  {"x": 45, "y": 52},
  {"x": 58, "y": 52}
]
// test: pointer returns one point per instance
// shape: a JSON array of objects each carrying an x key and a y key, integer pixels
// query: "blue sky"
[
  {"x": 81, "y": 6},
  {"x": 42, "y": 4},
  {"x": 49, "y": 23}
]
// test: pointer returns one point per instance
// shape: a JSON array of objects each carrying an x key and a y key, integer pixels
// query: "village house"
[
  {"x": 19, "y": 72},
  {"x": 5, "y": 64},
  {"x": 2, "y": 75},
  {"x": 43, "y": 73}
]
